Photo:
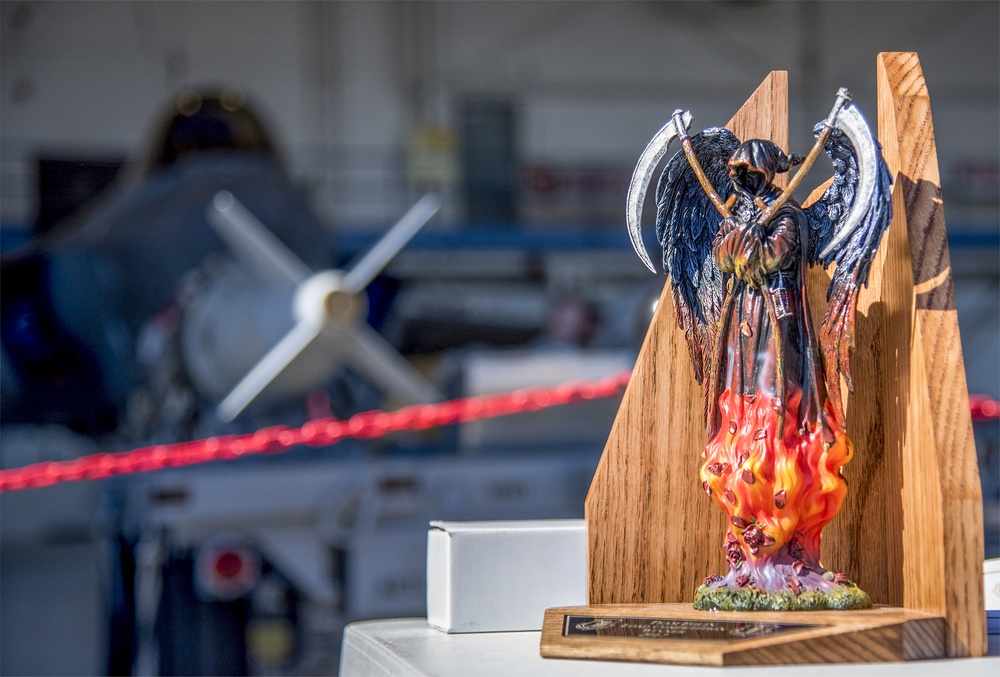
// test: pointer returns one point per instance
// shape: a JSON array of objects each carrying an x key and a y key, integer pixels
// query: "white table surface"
[{"x": 411, "y": 648}]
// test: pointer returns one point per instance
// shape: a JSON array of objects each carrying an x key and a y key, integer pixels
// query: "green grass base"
[{"x": 754, "y": 599}]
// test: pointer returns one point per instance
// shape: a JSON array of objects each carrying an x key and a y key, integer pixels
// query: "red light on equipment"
[{"x": 226, "y": 568}]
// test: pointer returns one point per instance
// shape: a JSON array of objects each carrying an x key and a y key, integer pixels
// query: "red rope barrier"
[
  {"x": 315, "y": 433},
  {"x": 324, "y": 432},
  {"x": 984, "y": 408}
]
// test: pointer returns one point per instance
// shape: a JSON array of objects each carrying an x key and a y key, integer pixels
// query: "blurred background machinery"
[{"x": 194, "y": 192}]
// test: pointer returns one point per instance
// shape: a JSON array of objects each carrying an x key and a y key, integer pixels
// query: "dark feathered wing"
[
  {"x": 686, "y": 224},
  {"x": 853, "y": 256}
]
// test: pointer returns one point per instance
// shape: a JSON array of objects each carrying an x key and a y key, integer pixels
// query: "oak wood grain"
[{"x": 942, "y": 500}]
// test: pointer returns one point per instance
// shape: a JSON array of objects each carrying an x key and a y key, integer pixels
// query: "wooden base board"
[{"x": 676, "y": 633}]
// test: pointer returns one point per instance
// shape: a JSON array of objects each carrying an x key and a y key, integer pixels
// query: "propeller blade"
[
  {"x": 252, "y": 241},
  {"x": 365, "y": 270},
  {"x": 386, "y": 367},
  {"x": 282, "y": 358}
]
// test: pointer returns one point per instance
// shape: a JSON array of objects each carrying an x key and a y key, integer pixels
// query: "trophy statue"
[
  {"x": 795, "y": 350},
  {"x": 737, "y": 249}
]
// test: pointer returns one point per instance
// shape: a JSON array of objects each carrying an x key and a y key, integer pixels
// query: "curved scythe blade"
[
  {"x": 853, "y": 124},
  {"x": 651, "y": 156}
]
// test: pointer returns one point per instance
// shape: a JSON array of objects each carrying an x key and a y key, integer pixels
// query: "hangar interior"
[{"x": 127, "y": 318}]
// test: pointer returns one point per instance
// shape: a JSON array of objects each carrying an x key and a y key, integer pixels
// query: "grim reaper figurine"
[{"x": 737, "y": 249}]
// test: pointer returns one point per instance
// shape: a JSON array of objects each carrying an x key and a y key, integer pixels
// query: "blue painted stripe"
[{"x": 558, "y": 237}]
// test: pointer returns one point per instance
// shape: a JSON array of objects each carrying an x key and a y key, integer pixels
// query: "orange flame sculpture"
[{"x": 778, "y": 490}]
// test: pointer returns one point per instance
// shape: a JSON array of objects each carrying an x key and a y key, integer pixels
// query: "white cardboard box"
[
  {"x": 991, "y": 579},
  {"x": 502, "y": 576}
]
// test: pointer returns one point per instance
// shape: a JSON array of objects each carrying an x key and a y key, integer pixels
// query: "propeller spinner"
[{"x": 329, "y": 308}]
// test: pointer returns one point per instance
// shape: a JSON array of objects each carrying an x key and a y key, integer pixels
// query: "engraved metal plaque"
[{"x": 674, "y": 628}]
